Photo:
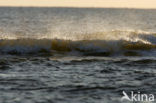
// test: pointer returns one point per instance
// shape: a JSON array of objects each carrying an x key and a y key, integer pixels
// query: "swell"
[{"x": 126, "y": 43}]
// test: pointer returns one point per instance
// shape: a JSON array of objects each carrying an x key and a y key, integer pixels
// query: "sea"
[{"x": 76, "y": 55}]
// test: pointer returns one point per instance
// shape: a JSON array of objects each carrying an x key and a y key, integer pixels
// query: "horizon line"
[{"x": 75, "y": 7}]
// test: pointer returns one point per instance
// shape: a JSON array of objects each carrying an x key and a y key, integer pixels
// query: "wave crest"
[{"x": 126, "y": 43}]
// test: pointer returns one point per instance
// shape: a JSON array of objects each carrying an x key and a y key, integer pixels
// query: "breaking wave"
[{"x": 116, "y": 42}]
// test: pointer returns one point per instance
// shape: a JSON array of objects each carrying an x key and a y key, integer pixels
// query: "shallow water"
[
  {"x": 76, "y": 55},
  {"x": 74, "y": 79}
]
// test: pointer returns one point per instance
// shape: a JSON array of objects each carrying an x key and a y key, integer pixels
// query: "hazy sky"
[{"x": 82, "y": 3}]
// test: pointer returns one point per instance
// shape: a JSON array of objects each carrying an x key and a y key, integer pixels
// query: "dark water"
[{"x": 76, "y": 55}]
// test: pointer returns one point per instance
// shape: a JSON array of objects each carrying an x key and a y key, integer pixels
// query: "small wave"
[{"x": 126, "y": 43}]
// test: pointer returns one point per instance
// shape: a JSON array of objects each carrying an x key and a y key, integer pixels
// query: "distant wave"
[{"x": 127, "y": 43}]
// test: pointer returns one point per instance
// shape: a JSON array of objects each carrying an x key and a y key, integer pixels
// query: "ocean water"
[{"x": 76, "y": 55}]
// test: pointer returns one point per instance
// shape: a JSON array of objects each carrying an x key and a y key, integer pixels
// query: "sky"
[{"x": 82, "y": 3}]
